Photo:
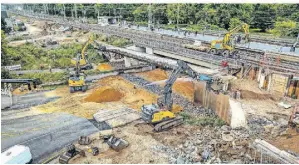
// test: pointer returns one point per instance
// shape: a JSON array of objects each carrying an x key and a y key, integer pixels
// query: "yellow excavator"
[
  {"x": 226, "y": 46},
  {"x": 77, "y": 79},
  {"x": 160, "y": 115},
  {"x": 84, "y": 63}
]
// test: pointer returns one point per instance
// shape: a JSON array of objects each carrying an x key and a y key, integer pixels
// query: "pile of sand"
[
  {"x": 154, "y": 75},
  {"x": 104, "y": 67},
  {"x": 134, "y": 97},
  {"x": 245, "y": 94},
  {"x": 184, "y": 88},
  {"x": 104, "y": 94}
]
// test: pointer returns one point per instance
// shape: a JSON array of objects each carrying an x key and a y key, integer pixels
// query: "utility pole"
[
  {"x": 76, "y": 11},
  {"x": 150, "y": 16},
  {"x": 178, "y": 14},
  {"x": 64, "y": 16}
]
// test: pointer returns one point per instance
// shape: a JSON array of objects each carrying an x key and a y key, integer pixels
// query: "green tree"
[
  {"x": 234, "y": 22},
  {"x": 284, "y": 28},
  {"x": 140, "y": 13},
  {"x": 264, "y": 16}
]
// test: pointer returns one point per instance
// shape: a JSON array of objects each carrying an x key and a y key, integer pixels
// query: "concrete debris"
[
  {"x": 207, "y": 146},
  {"x": 274, "y": 153},
  {"x": 285, "y": 105}
]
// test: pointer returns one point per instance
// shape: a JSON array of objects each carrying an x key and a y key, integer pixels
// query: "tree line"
[{"x": 278, "y": 19}]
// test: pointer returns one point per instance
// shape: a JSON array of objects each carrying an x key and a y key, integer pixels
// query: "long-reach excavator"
[
  {"x": 160, "y": 115},
  {"x": 84, "y": 63},
  {"x": 226, "y": 46}
]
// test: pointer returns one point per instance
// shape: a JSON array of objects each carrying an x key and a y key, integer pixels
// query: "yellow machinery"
[
  {"x": 84, "y": 63},
  {"x": 77, "y": 79},
  {"x": 226, "y": 46},
  {"x": 160, "y": 115}
]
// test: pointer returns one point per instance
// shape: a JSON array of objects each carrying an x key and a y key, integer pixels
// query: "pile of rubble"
[
  {"x": 177, "y": 99},
  {"x": 264, "y": 127},
  {"x": 211, "y": 145}
]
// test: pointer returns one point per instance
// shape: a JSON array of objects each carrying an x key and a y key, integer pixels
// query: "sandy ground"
[
  {"x": 287, "y": 142},
  {"x": 75, "y": 104},
  {"x": 138, "y": 152},
  {"x": 141, "y": 140},
  {"x": 184, "y": 88},
  {"x": 36, "y": 29}
]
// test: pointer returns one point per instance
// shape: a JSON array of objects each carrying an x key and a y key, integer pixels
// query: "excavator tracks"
[{"x": 165, "y": 125}]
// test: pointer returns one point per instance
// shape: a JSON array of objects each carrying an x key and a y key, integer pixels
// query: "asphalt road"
[{"x": 43, "y": 133}]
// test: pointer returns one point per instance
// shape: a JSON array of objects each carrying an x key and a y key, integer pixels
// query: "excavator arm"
[
  {"x": 182, "y": 66},
  {"x": 243, "y": 26},
  {"x": 87, "y": 43}
]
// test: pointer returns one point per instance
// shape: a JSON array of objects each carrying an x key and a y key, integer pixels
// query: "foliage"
[
  {"x": 264, "y": 16},
  {"x": 5, "y": 74},
  {"x": 283, "y": 28},
  {"x": 202, "y": 121},
  {"x": 17, "y": 38},
  {"x": 234, "y": 22},
  {"x": 44, "y": 77},
  {"x": 115, "y": 41}
]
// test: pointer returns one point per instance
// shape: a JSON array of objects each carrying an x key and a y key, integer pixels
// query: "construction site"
[{"x": 131, "y": 94}]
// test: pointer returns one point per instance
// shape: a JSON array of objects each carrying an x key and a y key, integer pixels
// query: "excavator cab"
[{"x": 77, "y": 79}]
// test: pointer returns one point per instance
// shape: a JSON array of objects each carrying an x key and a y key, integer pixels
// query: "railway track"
[{"x": 275, "y": 61}]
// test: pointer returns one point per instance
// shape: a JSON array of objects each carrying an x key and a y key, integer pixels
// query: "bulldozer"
[
  {"x": 77, "y": 80},
  {"x": 226, "y": 46},
  {"x": 160, "y": 115}
]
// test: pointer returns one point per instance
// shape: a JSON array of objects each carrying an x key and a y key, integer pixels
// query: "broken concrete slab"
[{"x": 116, "y": 118}]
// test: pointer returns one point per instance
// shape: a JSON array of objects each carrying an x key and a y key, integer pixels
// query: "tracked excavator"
[
  {"x": 77, "y": 78},
  {"x": 226, "y": 46},
  {"x": 160, "y": 115},
  {"x": 84, "y": 63}
]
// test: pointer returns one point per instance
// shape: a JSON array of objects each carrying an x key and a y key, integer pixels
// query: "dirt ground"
[
  {"x": 104, "y": 67},
  {"x": 287, "y": 142},
  {"x": 184, "y": 88},
  {"x": 76, "y": 104},
  {"x": 247, "y": 85},
  {"x": 141, "y": 140}
]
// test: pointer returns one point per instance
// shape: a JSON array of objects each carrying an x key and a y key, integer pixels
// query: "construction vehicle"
[
  {"x": 226, "y": 46},
  {"x": 70, "y": 152},
  {"x": 160, "y": 115},
  {"x": 83, "y": 61},
  {"x": 77, "y": 79}
]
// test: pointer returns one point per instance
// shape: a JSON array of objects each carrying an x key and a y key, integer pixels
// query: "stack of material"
[
  {"x": 115, "y": 118},
  {"x": 275, "y": 153}
]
